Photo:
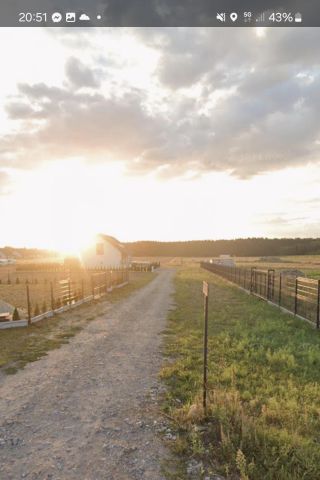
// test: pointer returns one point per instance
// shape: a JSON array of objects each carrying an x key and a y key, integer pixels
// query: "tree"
[{"x": 15, "y": 315}]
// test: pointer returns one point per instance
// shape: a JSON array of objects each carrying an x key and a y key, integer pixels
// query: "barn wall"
[{"x": 110, "y": 259}]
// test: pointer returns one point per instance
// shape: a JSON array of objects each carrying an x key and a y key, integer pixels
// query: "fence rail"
[
  {"x": 37, "y": 301},
  {"x": 299, "y": 295}
]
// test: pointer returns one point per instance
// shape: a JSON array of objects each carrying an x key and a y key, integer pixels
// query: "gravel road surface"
[{"x": 87, "y": 410}]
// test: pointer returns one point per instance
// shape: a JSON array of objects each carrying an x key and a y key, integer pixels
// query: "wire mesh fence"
[{"x": 299, "y": 295}]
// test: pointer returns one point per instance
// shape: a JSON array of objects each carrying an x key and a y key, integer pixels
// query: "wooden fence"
[
  {"x": 40, "y": 301},
  {"x": 298, "y": 295}
]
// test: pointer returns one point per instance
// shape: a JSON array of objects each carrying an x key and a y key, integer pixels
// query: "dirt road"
[{"x": 87, "y": 410}]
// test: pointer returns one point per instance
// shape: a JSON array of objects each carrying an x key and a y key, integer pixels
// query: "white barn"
[{"x": 106, "y": 252}]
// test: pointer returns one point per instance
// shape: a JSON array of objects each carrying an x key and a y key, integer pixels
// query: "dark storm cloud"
[{"x": 257, "y": 107}]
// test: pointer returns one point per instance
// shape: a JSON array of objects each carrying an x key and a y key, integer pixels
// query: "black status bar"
[{"x": 159, "y": 13}]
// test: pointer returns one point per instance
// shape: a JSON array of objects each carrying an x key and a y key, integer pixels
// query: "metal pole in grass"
[
  {"x": 296, "y": 297},
  {"x": 28, "y": 305},
  {"x": 318, "y": 306},
  {"x": 280, "y": 287},
  {"x": 205, "y": 291}
]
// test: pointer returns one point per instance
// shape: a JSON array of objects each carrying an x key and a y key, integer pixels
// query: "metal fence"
[
  {"x": 299, "y": 295},
  {"x": 37, "y": 300}
]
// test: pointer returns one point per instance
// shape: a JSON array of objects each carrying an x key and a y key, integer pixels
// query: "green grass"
[
  {"x": 263, "y": 418},
  {"x": 19, "y": 346}
]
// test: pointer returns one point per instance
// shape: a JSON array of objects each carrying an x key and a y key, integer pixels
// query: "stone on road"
[{"x": 86, "y": 410}]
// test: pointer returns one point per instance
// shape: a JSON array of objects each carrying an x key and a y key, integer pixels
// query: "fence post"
[
  {"x": 69, "y": 291},
  {"x": 280, "y": 287},
  {"x": 252, "y": 279},
  {"x": 28, "y": 305},
  {"x": 205, "y": 290},
  {"x": 82, "y": 289},
  {"x": 51, "y": 295},
  {"x": 92, "y": 286},
  {"x": 318, "y": 306},
  {"x": 296, "y": 297}
]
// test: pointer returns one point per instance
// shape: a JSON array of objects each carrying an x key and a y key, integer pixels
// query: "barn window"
[{"x": 100, "y": 249}]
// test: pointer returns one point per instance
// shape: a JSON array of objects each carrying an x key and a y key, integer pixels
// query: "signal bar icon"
[{"x": 260, "y": 18}]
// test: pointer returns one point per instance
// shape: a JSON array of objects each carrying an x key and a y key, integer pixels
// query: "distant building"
[
  {"x": 225, "y": 260},
  {"x": 106, "y": 252}
]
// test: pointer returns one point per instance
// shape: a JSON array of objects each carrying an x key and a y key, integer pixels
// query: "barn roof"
[{"x": 114, "y": 242}]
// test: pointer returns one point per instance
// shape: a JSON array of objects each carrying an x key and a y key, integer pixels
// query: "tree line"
[{"x": 241, "y": 247}]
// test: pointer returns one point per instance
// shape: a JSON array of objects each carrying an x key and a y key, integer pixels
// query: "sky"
[{"x": 158, "y": 134}]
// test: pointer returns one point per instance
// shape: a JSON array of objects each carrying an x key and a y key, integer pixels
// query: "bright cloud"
[{"x": 182, "y": 112}]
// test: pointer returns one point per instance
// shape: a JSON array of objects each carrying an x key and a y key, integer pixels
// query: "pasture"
[
  {"x": 44, "y": 285},
  {"x": 263, "y": 418}
]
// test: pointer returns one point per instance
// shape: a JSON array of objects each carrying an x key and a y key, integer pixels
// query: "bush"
[
  {"x": 15, "y": 315},
  {"x": 44, "y": 307}
]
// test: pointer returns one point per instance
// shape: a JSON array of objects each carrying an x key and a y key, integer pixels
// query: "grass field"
[
  {"x": 263, "y": 419},
  {"x": 309, "y": 264},
  {"x": 19, "y": 346}
]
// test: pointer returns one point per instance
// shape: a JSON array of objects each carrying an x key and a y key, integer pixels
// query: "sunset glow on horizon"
[{"x": 122, "y": 132}]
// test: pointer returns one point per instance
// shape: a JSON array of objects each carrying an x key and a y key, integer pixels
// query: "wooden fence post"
[
  {"x": 92, "y": 286},
  {"x": 51, "y": 295},
  {"x": 28, "y": 305},
  {"x": 69, "y": 291}
]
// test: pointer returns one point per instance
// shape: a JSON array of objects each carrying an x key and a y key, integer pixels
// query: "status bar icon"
[{"x": 221, "y": 17}]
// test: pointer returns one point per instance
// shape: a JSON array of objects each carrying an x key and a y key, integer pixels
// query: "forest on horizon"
[{"x": 241, "y": 247}]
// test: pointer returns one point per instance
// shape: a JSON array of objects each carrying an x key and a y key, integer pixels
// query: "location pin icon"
[{"x": 233, "y": 16}]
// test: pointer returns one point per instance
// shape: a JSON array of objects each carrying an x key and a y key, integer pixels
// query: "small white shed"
[
  {"x": 225, "y": 260},
  {"x": 105, "y": 252}
]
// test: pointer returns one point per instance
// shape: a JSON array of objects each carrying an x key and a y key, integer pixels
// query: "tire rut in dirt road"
[{"x": 86, "y": 411}]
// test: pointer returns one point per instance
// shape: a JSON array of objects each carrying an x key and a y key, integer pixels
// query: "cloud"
[
  {"x": 217, "y": 100},
  {"x": 79, "y": 75}
]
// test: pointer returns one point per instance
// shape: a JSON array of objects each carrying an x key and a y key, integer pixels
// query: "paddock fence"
[
  {"x": 36, "y": 301},
  {"x": 297, "y": 295}
]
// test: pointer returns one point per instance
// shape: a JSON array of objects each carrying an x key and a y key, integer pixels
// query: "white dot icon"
[{"x": 99, "y": 17}]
